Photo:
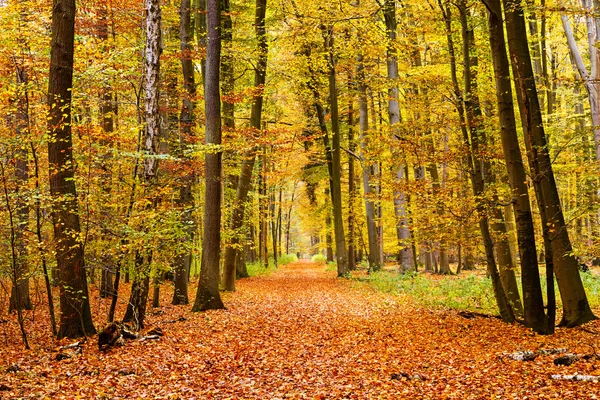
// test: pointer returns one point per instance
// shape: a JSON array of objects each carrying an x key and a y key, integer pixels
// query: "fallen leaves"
[{"x": 300, "y": 333}]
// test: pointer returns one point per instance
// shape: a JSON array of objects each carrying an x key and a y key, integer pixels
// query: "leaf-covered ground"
[{"x": 300, "y": 333}]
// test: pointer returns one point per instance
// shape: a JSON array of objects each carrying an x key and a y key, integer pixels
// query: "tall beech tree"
[
  {"x": 75, "y": 314},
  {"x": 533, "y": 306},
  {"x": 183, "y": 260},
  {"x": 400, "y": 203},
  {"x": 477, "y": 166},
  {"x": 576, "y": 309},
  {"x": 341, "y": 254},
  {"x": 249, "y": 157},
  {"x": 207, "y": 296}
]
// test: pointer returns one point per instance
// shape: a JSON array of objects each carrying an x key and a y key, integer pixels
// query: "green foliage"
[
  {"x": 466, "y": 292},
  {"x": 319, "y": 258},
  {"x": 285, "y": 259},
  {"x": 591, "y": 282},
  {"x": 257, "y": 268}
]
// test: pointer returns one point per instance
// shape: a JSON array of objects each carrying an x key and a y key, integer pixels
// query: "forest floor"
[{"x": 301, "y": 333}]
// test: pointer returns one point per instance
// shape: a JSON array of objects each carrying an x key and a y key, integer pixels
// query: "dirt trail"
[{"x": 301, "y": 333}]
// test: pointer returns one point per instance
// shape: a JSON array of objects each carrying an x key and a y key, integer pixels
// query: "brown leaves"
[{"x": 301, "y": 333}]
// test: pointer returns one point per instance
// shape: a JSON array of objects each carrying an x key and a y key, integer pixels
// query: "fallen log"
[{"x": 576, "y": 377}]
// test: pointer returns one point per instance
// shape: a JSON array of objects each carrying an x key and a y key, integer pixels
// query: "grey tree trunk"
[
  {"x": 591, "y": 76},
  {"x": 108, "y": 111},
  {"x": 576, "y": 309},
  {"x": 76, "y": 317},
  {"x": 405, "y": 258},
  {"x": 208, "y": 296}
]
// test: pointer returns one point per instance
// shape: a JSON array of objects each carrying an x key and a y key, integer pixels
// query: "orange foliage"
[{"x": 302, "y": 334}]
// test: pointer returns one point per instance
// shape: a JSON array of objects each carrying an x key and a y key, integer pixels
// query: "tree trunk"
[
  {"x": 136, "y": 307},
  {"x": 478, "y": 167},
  {"x": 506, "y": 262},
  {"x": 351, "y": 186},
  {"x": 183, "y": 259},
  {"x": 19, "y": 298},
  {"x": 273, "y": 224},
  {"x": 76, "y": 317},
  {"x": 367, "y": 171},
  {"x": 336, "y": 169},
  {"x": 576, "y": 309},
  {"x": 591, "y": 77},
  {"x": 533, "y": 306},
  {"x": 208, "y": 296},
  {"x": 400, "y": 204}
]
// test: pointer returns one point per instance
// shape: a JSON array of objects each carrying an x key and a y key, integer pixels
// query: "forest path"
[{"x": 302, "y": 333}]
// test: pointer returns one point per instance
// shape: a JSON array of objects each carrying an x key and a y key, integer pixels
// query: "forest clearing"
[{"x": 300, "y": 333}]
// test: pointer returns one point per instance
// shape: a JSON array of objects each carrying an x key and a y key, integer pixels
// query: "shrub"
[
  {"x": 319, "y": 259},
  {"x": 285, "y": 259}
]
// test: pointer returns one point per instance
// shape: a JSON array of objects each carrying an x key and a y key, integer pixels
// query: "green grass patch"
[
  {"x": 468, "y": 291},
  {"x": 285, "y": 259},
  {"x": 258, "y": 268},
  {"x": 471, "y": 290}
]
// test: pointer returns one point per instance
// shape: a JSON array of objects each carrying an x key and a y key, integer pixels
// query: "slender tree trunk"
[
  {"x": 40, "y": 240},
  {"x": 367, "y": 171},
  {"x": 76, "y": 317},
  {"x": 183, "y": 259},
  {"x": 591, "y": 76},
  {"x": 328, "y": 237},
  {"x": 108, "y": 110},
  {"x": 19, "y": 298},
  {"x": 273, "y": 224},
  {"x": 341, "y": 254},
  {"x": 208, "y": 296},
  {"x": 576, "y": 309},
  {"x": 351, "y": 186},
  {"x": 136, "y": 308}
]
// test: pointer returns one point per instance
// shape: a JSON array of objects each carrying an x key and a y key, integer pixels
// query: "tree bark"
[
  {"x": 400, "y": 204},
  {"x": 208, "y": 296},
  {"x": 591, "y": 76},
  {"x": 183, "y": 259},
  {"x": 19, "y": 298},
  {"x": 367, "y": 171},
  {"x": 136, "y": 308},
  {"x": 341, "y": 254},
  {"x": 76, "y": 317},
  {"x": 533, "y": 306},
  {"x": 351, "y": 187},
  {"x": 576, "y": 309}
]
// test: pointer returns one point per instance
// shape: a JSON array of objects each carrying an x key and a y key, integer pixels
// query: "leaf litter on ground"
[{"x": 301, "y": 333}]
